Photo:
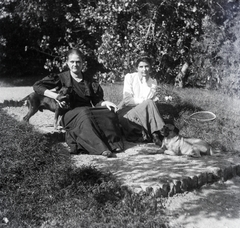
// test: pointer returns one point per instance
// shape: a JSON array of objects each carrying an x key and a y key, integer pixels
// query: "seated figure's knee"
[{"x": 148, "y": 102}]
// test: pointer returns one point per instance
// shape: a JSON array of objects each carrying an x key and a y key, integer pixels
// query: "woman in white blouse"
[{"x": 138, "y": 114}]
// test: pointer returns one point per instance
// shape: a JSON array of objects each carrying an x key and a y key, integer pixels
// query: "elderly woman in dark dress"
[{"x": 92, "y": 124}]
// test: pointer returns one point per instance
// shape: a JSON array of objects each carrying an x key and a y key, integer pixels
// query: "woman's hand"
[
  {"x": 109, "y": 105},
  {"x": 61, "y": 100}
]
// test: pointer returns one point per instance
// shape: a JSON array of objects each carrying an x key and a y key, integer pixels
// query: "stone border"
[
  {"x": 190, "y": 183},
  {"x": 11, "y": 103}
]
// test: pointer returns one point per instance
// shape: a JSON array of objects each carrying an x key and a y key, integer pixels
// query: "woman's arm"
[
  {"x": 97, "y": 98},
  {"x": 51, "y": 94},
  {"x": 46, "y": 87},
  {"x": 129, "y": 97},
  {"x": 96, "y": 93},
  {"x": 48, "y": 83}
]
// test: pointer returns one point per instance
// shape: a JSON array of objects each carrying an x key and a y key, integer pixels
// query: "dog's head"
[
  {"x": 66, "y": 92},
  {"x": 169, "y": 131}
]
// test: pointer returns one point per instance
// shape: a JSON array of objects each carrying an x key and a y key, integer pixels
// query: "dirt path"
[{"x": 214, "y": 206}]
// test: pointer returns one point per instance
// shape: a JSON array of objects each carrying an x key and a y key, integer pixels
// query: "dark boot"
[{"x": 156, "y": 139}]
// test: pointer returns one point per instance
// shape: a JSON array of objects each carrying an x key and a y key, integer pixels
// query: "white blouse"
[{"x": 135, "y": 91}]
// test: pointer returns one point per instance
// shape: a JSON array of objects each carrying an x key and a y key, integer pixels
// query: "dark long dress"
[{"x": 89, "y": 127}]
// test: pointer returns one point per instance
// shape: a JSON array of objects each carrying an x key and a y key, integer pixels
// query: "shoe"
[
  {"x": 73, "y": 149},
  {"x": 164, "y": 131},
  {"x": 107, "y": 153},
  {"x": 156, "y": 139},
  {"x": 74, "y": 152},
  {"x": 117, "y": 150}
]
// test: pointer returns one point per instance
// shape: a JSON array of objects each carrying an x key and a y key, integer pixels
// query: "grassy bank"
[{"x": 40, "y": 188}]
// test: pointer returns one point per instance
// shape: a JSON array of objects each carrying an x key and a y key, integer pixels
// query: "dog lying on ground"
[
  {"x": 36, "y": 102},
  {"x": 174, "y": 144}
]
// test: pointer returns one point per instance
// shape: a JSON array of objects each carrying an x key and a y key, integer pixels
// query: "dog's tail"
[{"x": 24, "y": 101}]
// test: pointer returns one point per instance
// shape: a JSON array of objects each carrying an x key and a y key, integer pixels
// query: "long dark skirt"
[
  {"x": 92, "y": 130},
  {"x": 139, "y": 122}
]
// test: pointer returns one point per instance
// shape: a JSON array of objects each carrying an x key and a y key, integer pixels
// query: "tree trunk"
[{"x": 179, "y": 78}]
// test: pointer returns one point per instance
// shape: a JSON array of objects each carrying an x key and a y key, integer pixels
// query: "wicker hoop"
[{"x": 202, "y": 116}]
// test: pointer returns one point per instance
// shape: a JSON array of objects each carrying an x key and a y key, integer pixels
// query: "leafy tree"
[
  {"x": 185, "y": 37},
  {"x": 215, "y": 53}
]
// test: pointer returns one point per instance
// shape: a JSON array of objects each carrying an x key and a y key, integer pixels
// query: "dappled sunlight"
[{"x": 136, "y": 168}]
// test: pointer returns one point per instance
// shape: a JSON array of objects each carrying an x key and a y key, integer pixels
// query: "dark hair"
[
  {"x": 143, "y": 58},
  {"x": 75, "y": 51}
]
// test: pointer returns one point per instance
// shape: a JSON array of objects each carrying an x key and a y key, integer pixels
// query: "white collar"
[{"x": 77, "y": 79}]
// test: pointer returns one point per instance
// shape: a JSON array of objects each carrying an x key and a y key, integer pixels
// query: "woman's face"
[
  {"x": 75, "y": 63},
  {"x": 144, "y": 69}
]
